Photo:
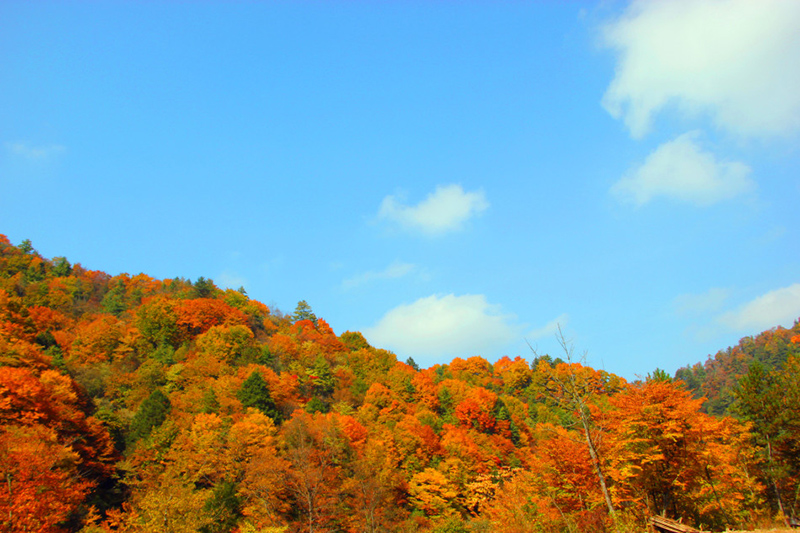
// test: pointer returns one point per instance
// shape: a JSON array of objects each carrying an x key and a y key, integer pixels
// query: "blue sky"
[{"x": 451, "y": 179}]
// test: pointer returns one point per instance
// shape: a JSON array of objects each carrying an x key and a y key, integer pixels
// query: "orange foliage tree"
[
  {"x": 575, "y": 388},
  {"x": 42, "y": 483},
  {"x": 315, "y": 448},
  {"x": 669, "y": 458},
  {"x": 52, "y": 453},
  {"x": 199, "y": 315}
]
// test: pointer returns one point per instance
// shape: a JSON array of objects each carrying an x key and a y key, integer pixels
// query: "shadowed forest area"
[{"x": 132, "y": 404}]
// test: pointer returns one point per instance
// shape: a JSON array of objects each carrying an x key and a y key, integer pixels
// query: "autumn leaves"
[{"x": 130, "y": 404}]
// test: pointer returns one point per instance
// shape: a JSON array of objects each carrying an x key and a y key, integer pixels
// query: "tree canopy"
[{"x": 132, "y": 404}]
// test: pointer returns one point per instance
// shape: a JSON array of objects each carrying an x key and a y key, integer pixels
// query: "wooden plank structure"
[{"x": 665, "y": 525}]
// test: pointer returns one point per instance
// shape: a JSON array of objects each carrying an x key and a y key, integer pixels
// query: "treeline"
[
  {"x": 756, "y": 381},
  {"x": 718, "y": 378},
  {"x": 134, "y": 404}
]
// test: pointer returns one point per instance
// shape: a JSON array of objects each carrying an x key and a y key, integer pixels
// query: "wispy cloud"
[
  {"x": 777, "y": 307},
  {"x": 550, "y": 329},
  {"x": 734, "y": 60},
  {"x": 35, "y": 153},
  {"x": 443, "y": 211},
  {"x": 711, "y": 301},
  {"x": 680, "y": 169},
  {"x": 394, "y": 271},
  {"x": 444, "y": 327},
  {"x": 231, "y": 280}
]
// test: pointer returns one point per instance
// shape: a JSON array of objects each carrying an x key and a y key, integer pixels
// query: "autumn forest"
[{"x": 133, "y": 404}]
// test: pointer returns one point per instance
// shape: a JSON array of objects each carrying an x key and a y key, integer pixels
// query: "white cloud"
[
  {"x": 443, "y": 211},
  {"x": 393, "y": 271},
  {"x": 550, "y": 329},
  {"x": 780, "y": 307},
  {"x": 444, "y": 327},
  {"x": 231, "y": 280},
  {"x": 35, "y": 153},
  {"x": 681, "y": 170},
  {"x": 735, "y": 60},
  {"x": 710, "y": 301}
]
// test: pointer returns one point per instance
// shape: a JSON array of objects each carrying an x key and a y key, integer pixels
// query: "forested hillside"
[
  {"x": 133, "y": 404},
  {"x": 718, "y": 378}
]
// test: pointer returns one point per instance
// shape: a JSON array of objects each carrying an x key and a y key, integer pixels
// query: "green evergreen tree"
[
  {"x": 445, "y": 401},
  {"x": 209, "y": 403},
  {"x": 26, "y": 247},
  {"x": 303, "y": 312},
  {"x": 447, "y": 406},
  {"x": 114, "y": 300},
  {"x": 266, "y": 357},
  {"x": 61, "y": 267},
  {"x": 770, "y": 401},
  {"x": 255, "y": 393},
  {"x": 659, "y": 375},
  {"x": 223, "y": 508},
  {"x": 57, "y": 357},
  {"x": 150, "y": 415},
  {"x": 164, "y": 353},
  {"x": 502, "y": 413},
  {"x": 317, "y": 405},
  {"x": 204, "y": 288}
]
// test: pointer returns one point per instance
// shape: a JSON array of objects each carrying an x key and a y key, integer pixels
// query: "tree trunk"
[
  {"x": 598, "y": 469},
  {"x": 10, "y": 500},
  {"x": 775, "y": 485}
]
